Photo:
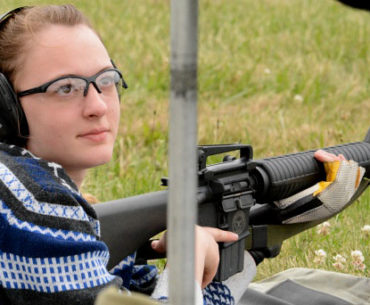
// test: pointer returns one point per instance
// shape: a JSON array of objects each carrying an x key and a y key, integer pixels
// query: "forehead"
[{"x": 60, "y": 50}]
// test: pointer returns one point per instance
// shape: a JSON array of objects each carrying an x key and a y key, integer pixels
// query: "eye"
[
  {"x": 66, "y": 87},
  {"x": 108, "y": 79},
  {"x": 64, "y": 90}
]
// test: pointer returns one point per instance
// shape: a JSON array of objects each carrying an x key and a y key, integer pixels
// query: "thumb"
[{"x": 159, "y": 245}]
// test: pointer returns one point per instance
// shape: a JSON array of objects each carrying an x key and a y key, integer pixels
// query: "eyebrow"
[{"x": 79, "y": 75}]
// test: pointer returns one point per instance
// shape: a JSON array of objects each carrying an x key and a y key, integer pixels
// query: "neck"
[{"x": 77, "y": 176}]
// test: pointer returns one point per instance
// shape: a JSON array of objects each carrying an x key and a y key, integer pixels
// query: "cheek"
[
  {"x": 114, "y": 116},
  {"x": 48, "y": 133},
  {"x": 47, "y": 124}
]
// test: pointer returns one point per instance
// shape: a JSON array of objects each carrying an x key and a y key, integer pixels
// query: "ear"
[{"x": 14, "y": 127}]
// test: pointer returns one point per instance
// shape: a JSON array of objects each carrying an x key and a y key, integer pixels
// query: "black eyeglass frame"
[{"x": 88, "y": 80}]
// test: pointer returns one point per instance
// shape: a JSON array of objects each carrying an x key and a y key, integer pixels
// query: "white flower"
[
  {"x": 366, "y": 229},
  {"x": 324, "y": 228},
  {"x": 338, "y": 266},
  {"x": 358, "y": 260},
  {"x": 339, "y": 262},
  {"x": 339, "y": 259},
  {"x": 267, "y": 71},
  {"x": 320, "y": 256},
  {"x": 361, "y": 266},
  {"x": 298, "y": 98},
  {"x": 357, "y": 256},
  {"x": 320, "y": 253}
]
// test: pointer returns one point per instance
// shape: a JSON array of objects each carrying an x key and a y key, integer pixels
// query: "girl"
[{"x": 59, "y": 116}]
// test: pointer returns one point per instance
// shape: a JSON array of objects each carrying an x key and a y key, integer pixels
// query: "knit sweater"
[{"x": 50, "y": 248}]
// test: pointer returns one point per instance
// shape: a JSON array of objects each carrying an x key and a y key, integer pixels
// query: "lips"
[{"x": 95, "y": 135}]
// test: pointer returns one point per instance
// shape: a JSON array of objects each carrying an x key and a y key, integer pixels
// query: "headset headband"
[{"x": 4, "y": 17}]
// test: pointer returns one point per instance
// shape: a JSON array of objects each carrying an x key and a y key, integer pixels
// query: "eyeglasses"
[{"x": 72, "y": 86}]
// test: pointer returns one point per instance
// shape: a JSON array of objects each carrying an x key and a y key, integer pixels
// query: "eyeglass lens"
[{"x": 72, "y": 86}]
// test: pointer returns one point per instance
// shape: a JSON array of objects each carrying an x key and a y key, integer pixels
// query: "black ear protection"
[{"x": 13, "y": 123}]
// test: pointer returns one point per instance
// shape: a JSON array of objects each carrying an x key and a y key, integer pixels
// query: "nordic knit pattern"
[
  {"x": 50, "y": 250},
  {"x": 217, "y": 294}
]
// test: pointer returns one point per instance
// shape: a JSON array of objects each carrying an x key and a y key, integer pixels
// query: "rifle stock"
[{"x": 234, "y": 195}]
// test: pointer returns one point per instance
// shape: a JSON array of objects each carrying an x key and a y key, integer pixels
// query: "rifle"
[{"x": 236, "y": 194}]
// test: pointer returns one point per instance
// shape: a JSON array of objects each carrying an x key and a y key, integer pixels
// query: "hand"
[
  {"x": 207, "y": 255},
  {"x": 325, "y": 198}
]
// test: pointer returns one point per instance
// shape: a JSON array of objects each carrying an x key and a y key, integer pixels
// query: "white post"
[{"x": 182, "y": 209}]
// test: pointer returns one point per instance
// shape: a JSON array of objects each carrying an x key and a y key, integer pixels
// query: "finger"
[
  {"x": 325, "y": 156},
  {"x": 208, "y": 278},
  {"x": 160, "y": 245},
  {"x": 210, "y": 262},
  {"x": 342, "y": 158},
  {"x": 222, "y": 235},
  {"x": 210, "y": 268}
]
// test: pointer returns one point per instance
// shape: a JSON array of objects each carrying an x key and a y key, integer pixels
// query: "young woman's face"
[{"x": 77, "y": 133}]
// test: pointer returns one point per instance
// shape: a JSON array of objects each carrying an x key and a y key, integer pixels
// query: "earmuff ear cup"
[{"x": 13, "y": 122}]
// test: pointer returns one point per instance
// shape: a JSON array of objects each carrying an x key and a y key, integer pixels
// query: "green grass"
[{"x": 255, "y": 58}]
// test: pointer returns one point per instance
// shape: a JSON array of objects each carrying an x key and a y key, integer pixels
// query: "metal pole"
[{"x": 182, "y": 151}]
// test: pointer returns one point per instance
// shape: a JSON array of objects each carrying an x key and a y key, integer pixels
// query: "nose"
[{"x": 94, "y": 104}]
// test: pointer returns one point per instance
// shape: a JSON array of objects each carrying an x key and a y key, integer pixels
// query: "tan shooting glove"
[{"x": 325, "y": 198}]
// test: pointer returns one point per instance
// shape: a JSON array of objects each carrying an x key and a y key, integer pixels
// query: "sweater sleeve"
[
  {"x": 139, "y": 278},
  {"x": 50, "y": 252}
]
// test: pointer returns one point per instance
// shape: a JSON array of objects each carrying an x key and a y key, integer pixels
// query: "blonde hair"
[{"x": 18, "y": 31}]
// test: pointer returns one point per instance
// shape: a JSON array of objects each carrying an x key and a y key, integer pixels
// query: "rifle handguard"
[{"x": 283, "y": 176}]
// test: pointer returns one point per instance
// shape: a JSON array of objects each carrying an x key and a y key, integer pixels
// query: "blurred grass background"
[{"x": 282, "y": 75}]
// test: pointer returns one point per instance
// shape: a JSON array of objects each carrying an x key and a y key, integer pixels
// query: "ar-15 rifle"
[{"x": 236, "y": 195}]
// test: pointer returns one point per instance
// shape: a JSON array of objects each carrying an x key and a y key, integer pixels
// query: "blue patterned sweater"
[{"x": 50, "y": 252}]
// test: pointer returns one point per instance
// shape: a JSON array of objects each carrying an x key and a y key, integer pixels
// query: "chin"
[{"x": 99, "y": 159}]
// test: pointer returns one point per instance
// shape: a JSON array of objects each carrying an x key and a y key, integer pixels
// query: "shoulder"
[
  {"x": 35, "y": 191},
  {"x": 22, "y": 163}
]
